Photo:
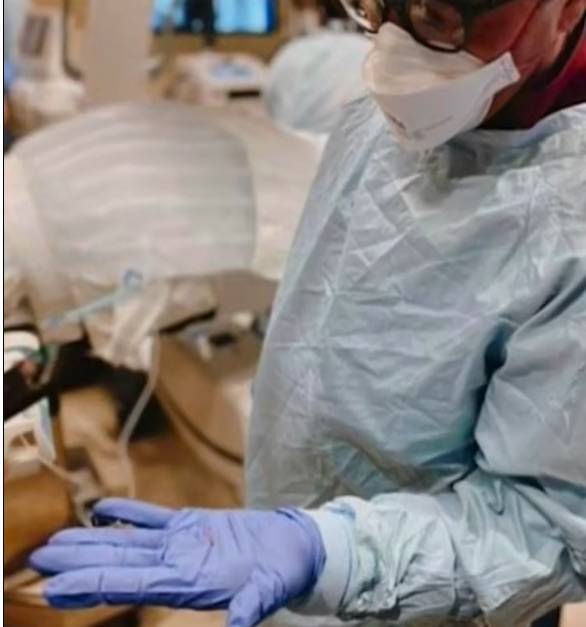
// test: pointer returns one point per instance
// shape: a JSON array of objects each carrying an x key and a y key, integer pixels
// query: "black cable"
[
  {"x": 551, "y": 620},
  {"x": 179, "y": 326}
]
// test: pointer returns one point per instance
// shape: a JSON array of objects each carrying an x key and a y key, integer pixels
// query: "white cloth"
[
  {"x": 130, "y": 214},
  {"x": 313, "y": 77},
  {"x": 104, "y": 208}
]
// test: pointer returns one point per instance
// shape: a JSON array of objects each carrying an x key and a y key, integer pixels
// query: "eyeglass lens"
[{"x": 436, "y": 23}]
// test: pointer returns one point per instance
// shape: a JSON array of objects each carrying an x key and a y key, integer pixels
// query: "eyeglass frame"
[{"x": 468, "y": 9}]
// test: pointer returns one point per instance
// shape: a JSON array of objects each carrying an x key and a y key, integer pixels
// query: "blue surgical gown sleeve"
[{"x": 508, "y": 541}]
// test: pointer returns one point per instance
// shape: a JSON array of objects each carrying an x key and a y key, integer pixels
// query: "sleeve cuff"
[{"x": 329, "y": 592}]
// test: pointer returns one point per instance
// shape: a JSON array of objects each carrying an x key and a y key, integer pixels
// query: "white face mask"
[{"x": 429, "y": 97}]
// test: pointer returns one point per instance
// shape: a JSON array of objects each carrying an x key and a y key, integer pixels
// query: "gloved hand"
[{"x": 252, "y": 563}]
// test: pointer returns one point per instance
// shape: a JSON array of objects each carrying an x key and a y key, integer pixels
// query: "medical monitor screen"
[{"x": 223, "y": 17}]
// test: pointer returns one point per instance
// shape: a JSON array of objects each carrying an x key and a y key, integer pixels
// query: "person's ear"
[{"x": 572, "y": 12}]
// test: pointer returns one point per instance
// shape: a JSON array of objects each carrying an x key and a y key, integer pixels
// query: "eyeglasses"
[{"x": 442, "y": 25}]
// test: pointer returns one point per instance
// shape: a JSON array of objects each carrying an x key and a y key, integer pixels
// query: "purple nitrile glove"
[{"x": 250, "y": 562}]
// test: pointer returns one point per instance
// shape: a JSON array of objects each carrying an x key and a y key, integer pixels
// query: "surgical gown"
[{"x": 423, "y": 386}]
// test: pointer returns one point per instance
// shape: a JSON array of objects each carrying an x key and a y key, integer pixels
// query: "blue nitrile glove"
[{"x": 252, "y": 563}]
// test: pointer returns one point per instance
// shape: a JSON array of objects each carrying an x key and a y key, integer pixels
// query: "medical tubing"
[
  {"x": 63, "y": 475},
  {"x": 135, "y": 416}
]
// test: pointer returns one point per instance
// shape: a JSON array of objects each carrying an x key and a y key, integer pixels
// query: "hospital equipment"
[
  {"x": 36, "y": 378},
  {"x": 211, "y": 78},
  {"x": 28, "y": 435},
  {"x": 36, "y": 502},
  {"x": 256, "y": 28},
  {"x": 43, "y": 90},
  {"x": 75, "y": 54},
  {"x": 227, "y": 17}
]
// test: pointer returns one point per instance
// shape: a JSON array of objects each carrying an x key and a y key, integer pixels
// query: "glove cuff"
[{"x": 326, "y": 597}]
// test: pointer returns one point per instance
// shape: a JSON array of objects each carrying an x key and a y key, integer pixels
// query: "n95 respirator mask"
[{"x": 429, "y": 97}]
